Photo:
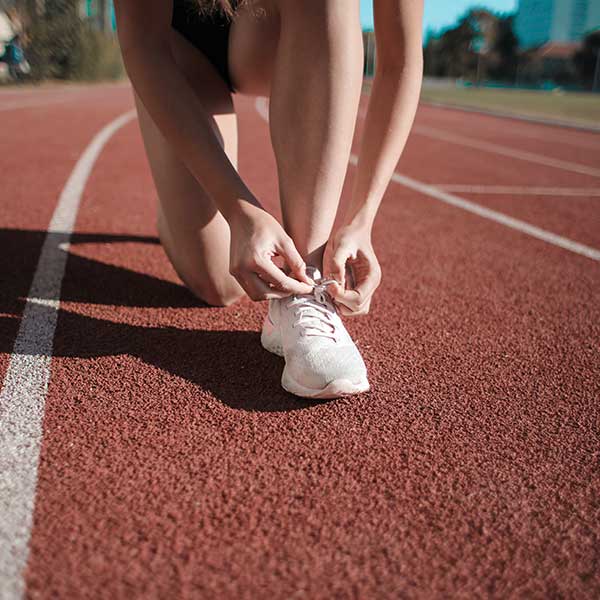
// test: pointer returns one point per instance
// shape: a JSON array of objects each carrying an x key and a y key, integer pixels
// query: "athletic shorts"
[{"x": 208, "y": 33}]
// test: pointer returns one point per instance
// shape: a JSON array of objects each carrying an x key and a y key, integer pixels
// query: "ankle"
[{"x": 315, "y": 258}]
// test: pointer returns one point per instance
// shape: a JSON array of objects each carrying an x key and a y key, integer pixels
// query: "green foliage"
[
  {"x": 586, "y": 59},
  {"x": 63, "y": 46},
  {"x": 98, "y": 56},
  {"x": 451, "y": 53},
  {"x": 483, "y": 46},
  {"x": 505, "y": 50}
]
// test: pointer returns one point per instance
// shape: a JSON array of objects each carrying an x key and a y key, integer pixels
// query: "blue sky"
[{"x": 441, "y": 13}]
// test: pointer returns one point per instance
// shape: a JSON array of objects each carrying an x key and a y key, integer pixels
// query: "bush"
[
  {"x": 98, "y": 57},
  {"x": 63, "y": 46}
]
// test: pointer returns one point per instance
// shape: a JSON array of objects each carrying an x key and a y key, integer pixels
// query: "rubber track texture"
[{"x": 173, "y": 465}]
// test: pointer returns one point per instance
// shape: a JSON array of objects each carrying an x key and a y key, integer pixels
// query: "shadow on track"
[
  {"x": 230, "y": 365},
  {"x": 88, "y": 281}
]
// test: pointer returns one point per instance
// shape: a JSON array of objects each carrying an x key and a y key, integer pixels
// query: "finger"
[
  {"x": 349, "y": 299},
  {"x": 274, "y": 275},
  {"x": 294, "y": 261},
  {"x": 337, "y": 266},
  {"x": 366, "y": 288},
  {"x": 346, "y": 312},
  {"x": 356, "y": 299},
  {"x": 257, "y": 289}
]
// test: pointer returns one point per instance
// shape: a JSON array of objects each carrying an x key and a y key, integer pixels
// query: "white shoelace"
[{"x": 315, "y": 312}]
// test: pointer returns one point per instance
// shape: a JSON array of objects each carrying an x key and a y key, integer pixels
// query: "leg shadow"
[{"x": 231, "y": 365}]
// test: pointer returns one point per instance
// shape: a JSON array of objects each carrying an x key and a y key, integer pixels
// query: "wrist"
[
  {"x": 359, "y": 220},
  {"x": 240, "y": 209}
]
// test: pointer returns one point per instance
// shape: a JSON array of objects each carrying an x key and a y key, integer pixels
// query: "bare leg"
[
  {"x": 194, "y": 234},
  {"x": 315, "y": 91}
]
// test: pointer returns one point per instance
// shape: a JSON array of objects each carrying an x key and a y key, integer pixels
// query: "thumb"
[
  {"x": 336, "y": 267},
  {"x": 294, "y": 261}
]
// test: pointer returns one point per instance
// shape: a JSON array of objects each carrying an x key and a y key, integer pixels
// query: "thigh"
[
  {"x": 194, "y": 234},
  {"x": 253, "y": 41}
]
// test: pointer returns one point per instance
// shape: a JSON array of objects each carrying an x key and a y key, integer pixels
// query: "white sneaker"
[{"x": 321, "y": 360}]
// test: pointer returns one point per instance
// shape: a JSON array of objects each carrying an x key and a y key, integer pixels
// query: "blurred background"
[{"x": 538, "y": 57}]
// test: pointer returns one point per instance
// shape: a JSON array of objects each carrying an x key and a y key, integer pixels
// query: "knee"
[{"x": 214, "y": 294}]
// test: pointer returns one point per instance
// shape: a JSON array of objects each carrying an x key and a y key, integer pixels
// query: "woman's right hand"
[{"x": 257, "y": 238}]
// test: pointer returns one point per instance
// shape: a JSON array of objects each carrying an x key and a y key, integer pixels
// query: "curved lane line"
[{"x": 25, "y": 386}]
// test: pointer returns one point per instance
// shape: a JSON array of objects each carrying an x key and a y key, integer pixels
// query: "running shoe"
[{"x": 321, "y": 359}]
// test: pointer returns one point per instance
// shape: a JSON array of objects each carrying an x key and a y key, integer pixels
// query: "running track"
[{"x": 147, "y": 450}]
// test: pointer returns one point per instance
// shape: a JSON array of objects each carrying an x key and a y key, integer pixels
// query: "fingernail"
[{"x": 308, "y": 279}]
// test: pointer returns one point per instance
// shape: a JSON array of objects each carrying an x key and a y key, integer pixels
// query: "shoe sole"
[
  {"x": 338, "y": 388},
  {"x": 270, "y": 340},
  {"x": 335, "y": 389}
]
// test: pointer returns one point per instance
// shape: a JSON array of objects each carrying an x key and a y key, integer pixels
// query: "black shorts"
[{"x": 208, "y": 33}]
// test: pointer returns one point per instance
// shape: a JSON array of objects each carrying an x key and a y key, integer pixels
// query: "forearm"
[
  {"x": 391, "y": 111},
  {"x": 184, "y": 122}
]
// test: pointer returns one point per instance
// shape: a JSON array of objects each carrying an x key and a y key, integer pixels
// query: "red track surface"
[{"x": 173, "y": 465}]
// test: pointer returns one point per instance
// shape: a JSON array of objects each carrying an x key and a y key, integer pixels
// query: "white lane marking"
[
  {"x": 453, "y": 138},
  {"x": 581, "y": 126},
  {"x": 25, "y": 386},
  {"x": 493, "y": 215},
  {"x": 551, "y": 134},
  {"x": 517, "y": 190},
  {"x": 498, "y": 217},
  {"x": 541, "y": 132}
]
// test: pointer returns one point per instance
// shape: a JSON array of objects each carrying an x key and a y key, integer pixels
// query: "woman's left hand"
[{"x": 350, "y": 259}]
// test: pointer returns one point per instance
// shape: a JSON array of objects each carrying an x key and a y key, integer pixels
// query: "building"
[
  {"x": 553, "y": 61},
  {"x": 541, "y": 21},
  {"x": 593, "y": 20}
]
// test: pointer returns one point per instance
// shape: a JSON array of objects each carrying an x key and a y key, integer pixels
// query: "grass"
[{"x": 577, "y": 108}]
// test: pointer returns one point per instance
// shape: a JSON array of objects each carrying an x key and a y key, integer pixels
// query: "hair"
[{"x": 225, "y": 7}]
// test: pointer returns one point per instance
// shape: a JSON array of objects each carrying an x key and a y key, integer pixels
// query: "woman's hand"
[
  {"x": 257, "y": 238},
  {"x": 350, "y": 253}
]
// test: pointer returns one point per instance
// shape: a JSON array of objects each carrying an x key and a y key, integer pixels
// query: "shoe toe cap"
[{"x": 319, "y": 368}]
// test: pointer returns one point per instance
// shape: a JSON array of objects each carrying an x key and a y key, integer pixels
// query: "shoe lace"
[{"x": 315, "y": 312}]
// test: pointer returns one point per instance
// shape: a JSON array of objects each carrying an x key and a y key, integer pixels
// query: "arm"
[
  {"x": 144, "y": 28},
  {"x": 392, "y": 107}
]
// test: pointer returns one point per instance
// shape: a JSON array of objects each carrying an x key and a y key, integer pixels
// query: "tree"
[
  {"x": 55, "y": 36},
  {"x": 505, "y": 50},
  {"x": 586, "y": 59},
  {"x": 479, "y": 43}
]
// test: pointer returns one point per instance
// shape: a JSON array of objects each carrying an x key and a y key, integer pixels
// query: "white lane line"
[
  {"x": 481, "y": 211},
  {"x": 517, "y": 190},
  {"x": 581, "y": 126},
  {"x": 25, "y": 386},
  {"x": 548, "y": 133},
  {"x": 453, "y": 138},
  {"x": 493, "y": 215},
  {"x": 542, "y": 131}
]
